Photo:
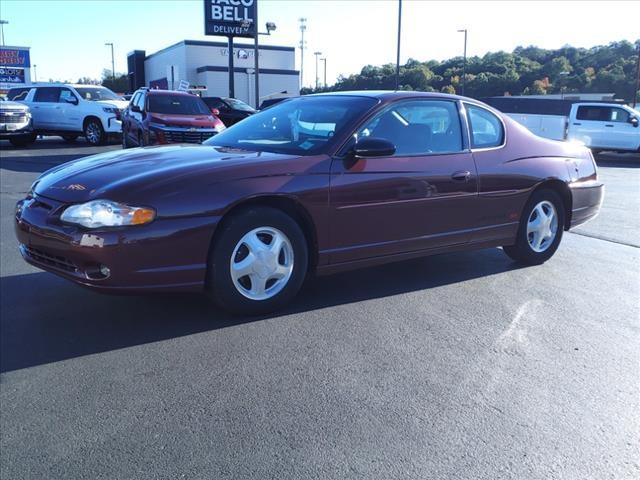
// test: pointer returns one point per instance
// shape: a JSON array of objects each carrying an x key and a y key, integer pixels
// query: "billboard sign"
[
  {"x": 230, "y": 18},
  {"x": 14, "y": 57},
  {"x": 12, "y": 75}
]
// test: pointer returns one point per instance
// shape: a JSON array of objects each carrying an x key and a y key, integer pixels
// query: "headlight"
[
  {"x": 105, "y": 213},
  {"x": 111, "y": 109}
]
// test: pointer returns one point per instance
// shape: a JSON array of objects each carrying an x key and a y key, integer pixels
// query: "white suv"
[{"x": 72, "y": 110}]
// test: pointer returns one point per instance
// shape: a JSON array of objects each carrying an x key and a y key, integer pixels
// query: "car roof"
[
  {"x": 157, "y": 91},
  {"x": 391, "y": 94}
]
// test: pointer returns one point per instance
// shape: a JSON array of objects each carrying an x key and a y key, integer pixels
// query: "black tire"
[
  {"x": 125, "y": 141},
  {"x": 70, "y": 138},
  {"x": 94, "y": 133},
  {"x": 522, "y": 251},
  {"x": 23, "y": 140},
  {"x": 220, "y": 285}
]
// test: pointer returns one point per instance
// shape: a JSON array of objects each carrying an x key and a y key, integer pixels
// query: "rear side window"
[
  {"x": 594, "y": 113},
  {"x": 47, "y": 94},
  {"x": 486, "y": 128},
  {"x": 17, "y": 94}
]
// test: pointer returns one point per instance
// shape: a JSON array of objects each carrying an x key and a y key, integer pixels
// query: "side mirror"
[
  {"x": 71, "y": 100},
  {"x": 215, "y": 111},
  {"x": 634, "y": 121},
  {"x": 373, "y": 147},
  {"x": 136, "y": 108}
]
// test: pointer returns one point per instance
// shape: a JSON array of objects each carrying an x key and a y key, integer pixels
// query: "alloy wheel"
[
  {"x": 92, "y": 132},
  {"x": 262, "y": 263},
  {"x": 542, "y": 226}
]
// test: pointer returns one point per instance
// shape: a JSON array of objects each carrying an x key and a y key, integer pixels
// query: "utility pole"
[
  {"x": 113, "y": 63},
  {"x": 324, "y": 61},
  {"x": 2, "y": 24},
  {"x": 464, "y": 61},
  {"x": 398, "y": 52},
  {"x": 637, "y": 89},
  {"x": 317, "y": 54},
  {"x": 303, "y": 27}
]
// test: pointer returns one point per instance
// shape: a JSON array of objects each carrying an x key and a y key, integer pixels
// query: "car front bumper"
[
  {"x": 165, "y": 255},
  {"x": 12, "y": 130},
  {"x": 587, "y": 198}
]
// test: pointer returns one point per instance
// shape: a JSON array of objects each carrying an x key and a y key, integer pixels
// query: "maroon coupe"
[{"x": 318, "y": 183}]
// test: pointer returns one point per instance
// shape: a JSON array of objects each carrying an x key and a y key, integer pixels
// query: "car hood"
[
  {"x": 183, "y": 120},
  {"x": 130, "y": 175},
  {"x": 120, "y": 104},
  {"x": 13, "y": 106}
]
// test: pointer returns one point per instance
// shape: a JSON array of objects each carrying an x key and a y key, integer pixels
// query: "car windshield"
[
  {"x": 177, "y": 105},
  {"x": 236, "y": 104},
  {"x": 96, "y": 94},
  {"x": 302, "y": 126}
]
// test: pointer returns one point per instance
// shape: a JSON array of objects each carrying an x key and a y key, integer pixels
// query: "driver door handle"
[{"x": 461, "y": 176}]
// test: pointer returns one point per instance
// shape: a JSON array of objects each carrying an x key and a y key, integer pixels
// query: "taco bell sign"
[{"x": 230, "y": 18}]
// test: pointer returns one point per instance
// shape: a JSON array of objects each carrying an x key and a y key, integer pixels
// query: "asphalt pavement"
[{"x": 457, "y": 366}]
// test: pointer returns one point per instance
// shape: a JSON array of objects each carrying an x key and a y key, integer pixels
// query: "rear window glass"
[{"x": 177, "y": 105}]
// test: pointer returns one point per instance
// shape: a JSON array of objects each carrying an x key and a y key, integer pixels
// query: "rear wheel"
[
  {"x": 23, "y": 140},
  {"x": 258, "y": 261},
  {"x": 540, "y": 230},
  {"x": 70, "y": 138},
  {"x": 94, "y": 133}
]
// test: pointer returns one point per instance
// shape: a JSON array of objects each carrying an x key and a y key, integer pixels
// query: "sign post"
[{"x": 231, "y": 18}]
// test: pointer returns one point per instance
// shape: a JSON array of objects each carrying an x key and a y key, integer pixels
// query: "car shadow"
[
  {"x": 45, "y": 319},
  {"x": 618, "y": 160}
]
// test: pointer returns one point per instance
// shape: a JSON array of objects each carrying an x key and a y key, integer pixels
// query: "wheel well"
[
  {"x": 287, "y": 205},
  {"x": 563, "y": 190},
  {"x": 91, "y": 117}
]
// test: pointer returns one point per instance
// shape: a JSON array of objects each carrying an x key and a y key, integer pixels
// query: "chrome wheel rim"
[
  {"x": 542, "y": 226},
  {"x": 261, "y": 263},
  {"x": 92, "y": 133}
]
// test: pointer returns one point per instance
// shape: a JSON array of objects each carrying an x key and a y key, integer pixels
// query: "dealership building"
[
  {"x": 205, "y": 66},
  {"x": 15, "y": 67}
]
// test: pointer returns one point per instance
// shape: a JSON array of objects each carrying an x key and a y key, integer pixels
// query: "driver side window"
[{"x": 418, "y": 127}]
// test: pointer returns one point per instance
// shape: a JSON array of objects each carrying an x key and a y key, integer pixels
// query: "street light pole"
[
  {"x": 256, "y": 53},
  {"x": 113, "y": 63},
  {"x": 324, "y": 61},
  {"x": 35, "y": 74},
  {"x": 2, "y": 24},
  {"x": 398, "y": 51},
  {"x": 464, "y": 61},
  {"x": 637, "y": 89},
  {"x": 317, "y": 54},
  {"x": 303, "y": 27}
]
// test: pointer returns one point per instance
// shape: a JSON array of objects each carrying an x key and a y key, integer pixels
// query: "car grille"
[
  {"x": 13, "y": 118},
  {"x": 187, "y": 136},
  {"x": 50, "y": 260}
]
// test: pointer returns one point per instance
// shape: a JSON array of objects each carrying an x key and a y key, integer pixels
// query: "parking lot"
[{"x": 454, "y": 366}]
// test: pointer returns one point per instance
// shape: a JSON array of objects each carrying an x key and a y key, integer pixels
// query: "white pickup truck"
[
  {"x": 72, "y": 110},
  {"x": 600, "y": 126}
]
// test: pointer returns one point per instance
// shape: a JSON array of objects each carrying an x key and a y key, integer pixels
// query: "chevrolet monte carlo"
[{"x": 315, "y": 184}]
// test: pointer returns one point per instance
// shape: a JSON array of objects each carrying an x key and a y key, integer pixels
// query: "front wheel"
[
  {"x": 23, "y": 140},
  {"x": 258, "y": 261},
  {"x": 94, "y": 133},
  {"x": 540, "y": 230}
]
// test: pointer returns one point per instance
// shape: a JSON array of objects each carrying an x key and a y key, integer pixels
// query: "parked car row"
[{"x": 147, "y": 117}]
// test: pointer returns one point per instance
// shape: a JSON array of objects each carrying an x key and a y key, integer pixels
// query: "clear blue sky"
[{"x": 67, "y": 37}]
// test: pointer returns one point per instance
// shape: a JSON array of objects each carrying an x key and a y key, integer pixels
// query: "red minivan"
[{"x": 156, "y": 117}]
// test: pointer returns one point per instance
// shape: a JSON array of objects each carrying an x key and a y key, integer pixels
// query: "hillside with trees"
[{"x": 525, "y": 71}]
